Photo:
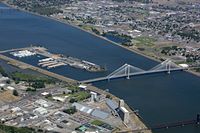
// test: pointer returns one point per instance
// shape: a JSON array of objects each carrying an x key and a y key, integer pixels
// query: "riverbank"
[
  {"x": 134, "y": 119},
  {"x": 75, "y": 26},
  {"x": 92, "y": 33}
]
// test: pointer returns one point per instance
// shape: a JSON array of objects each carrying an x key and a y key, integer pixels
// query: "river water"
[{"x": 159, "y": 98}]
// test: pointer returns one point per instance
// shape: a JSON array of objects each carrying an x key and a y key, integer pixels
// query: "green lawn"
[
  {"x": 18, "y": 76},
  {"x": 97, "y": 123},
  {"x": 145, "y": 41},
  {"x": 10, "y": 129},
  {"x": 79, "y": 96}
]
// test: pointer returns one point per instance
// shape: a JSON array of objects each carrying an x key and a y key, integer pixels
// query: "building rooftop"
[
  {"x": 112, "y": 104},
  {"x": 99, "y": 114},
  {"x": 82, "y": 108}
]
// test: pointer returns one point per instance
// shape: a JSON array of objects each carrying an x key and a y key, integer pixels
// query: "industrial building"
[
  {"x": 124, "y": 114},
  {"x": 91, "y": 111}
]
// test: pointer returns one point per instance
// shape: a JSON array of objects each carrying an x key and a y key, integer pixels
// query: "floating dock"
[
  {"x": 49, "y": 64},
  {"x": 56, "y": 65},
  {"x": 54, "y": 60}
]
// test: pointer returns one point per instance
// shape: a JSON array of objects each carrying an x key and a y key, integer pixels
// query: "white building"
[
  {"x": 42, "y": 103},
  {"x": 124, "y": 114},
  {"x": 40, "y": 110},
  {"x": 93, "y": 96}
]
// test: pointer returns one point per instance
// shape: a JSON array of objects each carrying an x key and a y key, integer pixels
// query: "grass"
[
  {"x": 7, "y": 96},
  {"x": 79, "y": 96},
  {"x": 10, "y": 129},
  {"x": 74, "y": 88},
  {"x": 87, "y": 27},
  {"x": 145, "y": 41},
  {"x": 18, "y": 76},
  {"x": 97, "y": 123}
]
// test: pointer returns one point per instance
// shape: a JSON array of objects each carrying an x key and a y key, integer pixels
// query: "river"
[{"x": 159, "y": 98}]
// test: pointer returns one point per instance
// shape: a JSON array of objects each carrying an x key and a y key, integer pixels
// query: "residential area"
[{"x": 147, "y": 28}]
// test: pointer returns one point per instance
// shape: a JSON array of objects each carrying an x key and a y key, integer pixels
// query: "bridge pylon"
[
  {"x": 167, "y": 65},
  {"x": 125, "y": 71}
]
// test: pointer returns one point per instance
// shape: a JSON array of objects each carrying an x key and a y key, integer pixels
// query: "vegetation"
[
  {"x": 34, "y": 80},
  {"x": 90, "y": 28},
  {"x": 15, "y": 93},
  {"x": 79, "y": 96},
  {"x": 188, "y": 34},
  {"x": 74, "y": 88},
  {"x": 108, "y": 96},
  {"x": 3, "y": 73},
  {"x": 145, "y": 41},
  {"x": 102, "y": 124},
  {"x": 47, "y": 10},
  {"x": 96, "y": 31},
  {"x": 127, "y": 39},
  {"x": 49, "y": 96},
  {"x": 10, "y": 129},
  {"x": 38, "y": 84},
  {"x": 71, "y": 110},
  {"x": 29, "y": 89},
  {"x": 97, "y": 123}
]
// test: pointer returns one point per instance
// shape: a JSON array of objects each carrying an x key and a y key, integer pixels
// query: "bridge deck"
[{"x": 131, "y": 74}]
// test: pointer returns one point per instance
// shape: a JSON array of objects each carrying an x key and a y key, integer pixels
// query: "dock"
[
  {"x": 60, "y": 60},
  {"x": 57, "y": 65},
  {"x": 23, "y": 65}
]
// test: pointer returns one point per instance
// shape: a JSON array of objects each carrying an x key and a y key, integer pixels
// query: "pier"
[
  {"x": 60, "y": 60},
  {"x": 28, "y": 66}
]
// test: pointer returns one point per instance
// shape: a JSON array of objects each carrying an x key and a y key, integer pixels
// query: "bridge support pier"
[
  {"x": 168, "y": 67},
  {"x": 198, "y": 119},
  {"x": 127, "y": 72}
]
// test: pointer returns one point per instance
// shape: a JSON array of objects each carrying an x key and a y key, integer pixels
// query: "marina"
[{"x": 55, "y": 60}]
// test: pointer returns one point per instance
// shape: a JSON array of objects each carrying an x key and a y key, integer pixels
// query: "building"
[
  {"x": 10, "y": 88},
  {"x": 124, "y": 114},
  {"x": 121, "y": 103},
  {"x": 61, "y": 99},
  {"x": 40, "y": 110},
  {"x": 91, "y": 111},
  {"x": 99, "y": 114},
  {"x": 93, "y": 96},
  {"x": 83, "y": 87},
  {"x": 15, "y": 109},
  {"x": 4, "y": 107},
  {"x": 83, "y": 108},
  {"x": 113, "y": 106},
  {"x": 42, "y": 103},
  {"x": 3, "y": 79}
]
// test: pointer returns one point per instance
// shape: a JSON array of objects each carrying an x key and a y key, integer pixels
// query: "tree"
[
  {"x": 8, "y": 81},
  {"x": 108, "y": 96},
  {"x": 70, "y": 111},
  {"x": 72, "y": 100},
  {"x": 15, "y": 93},
  {"x": 38, "y": 84}
]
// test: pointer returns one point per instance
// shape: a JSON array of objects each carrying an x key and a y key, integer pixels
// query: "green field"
[
  {"x": 144, "y": 41},
  {"x": 79, "y": 96},
  {"x": 97, "y": 123},
  {"x": 10, "y": 129}
]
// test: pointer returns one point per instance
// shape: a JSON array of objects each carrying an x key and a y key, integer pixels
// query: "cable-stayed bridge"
[{"x": 126, "y": 71}]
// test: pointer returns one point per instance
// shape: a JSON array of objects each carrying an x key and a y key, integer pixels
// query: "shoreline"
[
  {"x": 89, "y": 32},
  {"x": 134, "y": 118},
  {"x": 77, "y": 27}
]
